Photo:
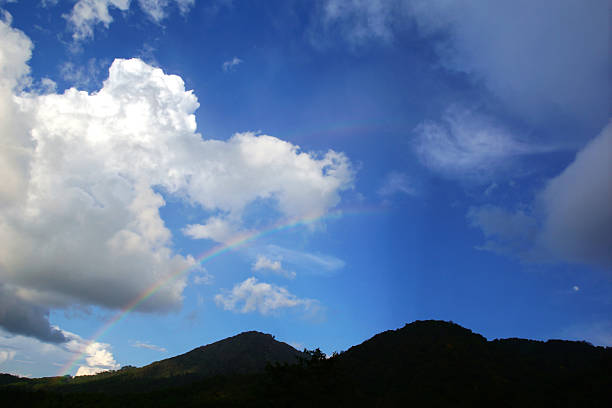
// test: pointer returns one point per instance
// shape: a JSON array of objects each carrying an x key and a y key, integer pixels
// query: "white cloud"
[
  {"x": 397, "y": 183},
  {"x": 15, "y": 51},
  {"x": 149, "y": 346},
  {"x": 575, "y": 288},
  {"x": 79, "y": 218},
  {"x": 252, "y": 296},
  {"x": 468, "y": 145},
  {"x": 247, "y": 167},
  {"x": 263, "y": 263},
  {"x": 217, "y": 229},
  {"x": 538, "y": 57},
  {"x": 87, "y": 14},
  {"x": 96, "y": 357},
  {"x": 572, "y": 220},
  {"x": 231, "y": 64},
  {"x": 99, "y": 359}
]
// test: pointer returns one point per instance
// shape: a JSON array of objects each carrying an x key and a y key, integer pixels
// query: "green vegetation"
[{"x": 425, "y": 363}]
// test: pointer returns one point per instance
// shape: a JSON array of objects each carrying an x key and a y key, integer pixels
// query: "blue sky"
[{"x": 434, "y": 160}]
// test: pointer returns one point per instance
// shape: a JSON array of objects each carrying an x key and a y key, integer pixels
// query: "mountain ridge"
[{"x": 427, "y": 363}]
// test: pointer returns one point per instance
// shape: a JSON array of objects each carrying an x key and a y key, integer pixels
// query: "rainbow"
[{"x": 239, "y": 241}]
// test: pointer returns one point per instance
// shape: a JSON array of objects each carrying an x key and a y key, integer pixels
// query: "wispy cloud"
[
  {"x": 598, "y": 333},
  {"x": 87, "y": 14},
  {"x": 84, "y": 76},
  {"x": 148, "y": 346},
  {"x": 310, "y": 262},
  {"x": 397, "y": 183},
  {"x": 231, "y": 64},
  {"x": 202, "y": 276},
  {"x": 468, "y": 145}
]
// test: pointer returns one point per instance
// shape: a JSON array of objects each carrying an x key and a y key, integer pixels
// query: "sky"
[{"x": 175, "y": 172}]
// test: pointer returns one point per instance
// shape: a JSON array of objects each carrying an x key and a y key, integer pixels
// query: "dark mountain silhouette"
[
  {"x": 10, "y": 379},
  {"x": 245, "y": 353},
  {"x": 425, "y": 363}
]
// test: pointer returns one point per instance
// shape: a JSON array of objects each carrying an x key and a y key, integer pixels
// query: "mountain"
[
  {"x": 424, "y": 363},
  {"x": 442, "y": 363},
  {"x": 245, "y": 353}
]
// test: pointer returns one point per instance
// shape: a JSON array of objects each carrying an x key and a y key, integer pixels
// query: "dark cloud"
[
  {"x": 540, "y": 58},
  {"x": 21, "y": 317},
  {"x": 578, "y": 206},
  {"x": 572, "y": 220}
]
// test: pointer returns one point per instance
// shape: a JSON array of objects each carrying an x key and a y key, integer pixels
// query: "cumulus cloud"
[
  {"x": 216, "y": 228},
  {"x": 87, "y": 14},
  {"x": 538, "y": 57},
  {"x": 263, "y": 263},
  {"x": 231, "y": 64},
  {"x": 249, "y": 167},
  {"x": 253, "y": 296},
  {"x": 572, "y": 220},
  {"x": 15, "y": 51},
  {"x": 82, "y": 174},
  {"x": 464, "y": 144},
  {"x": 96, "y": 357}
]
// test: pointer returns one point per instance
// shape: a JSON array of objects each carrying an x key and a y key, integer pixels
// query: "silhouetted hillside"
[
  {"x": 10, "y": 379},
  {"x": 245, "y": 353},
  {"x": 425, "y": 363}
]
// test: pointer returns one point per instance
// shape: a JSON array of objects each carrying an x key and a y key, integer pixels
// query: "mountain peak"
[{"x": 247, "y": 352}]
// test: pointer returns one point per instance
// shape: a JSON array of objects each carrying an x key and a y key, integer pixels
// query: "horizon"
[
  {"x": 339, "y": 352},
  {"x": 177, "y": 171}
]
